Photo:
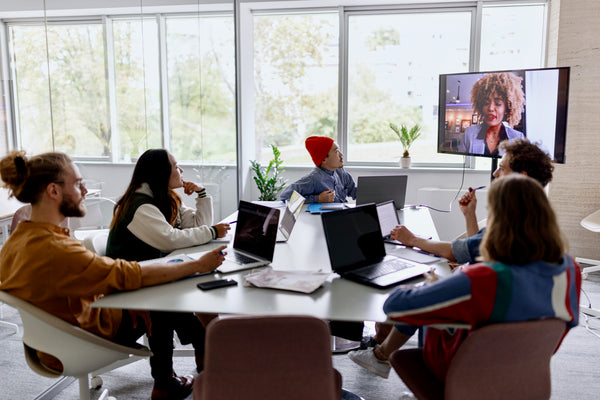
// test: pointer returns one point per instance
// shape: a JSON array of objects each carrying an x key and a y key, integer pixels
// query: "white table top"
[{"x": 305, "y": 250}]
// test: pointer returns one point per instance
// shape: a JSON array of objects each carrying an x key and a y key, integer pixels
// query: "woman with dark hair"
[
  {"x": 150, "y": 219},
  {"x": 498, "y": 100},
  {"x": 525, "y": 275}
]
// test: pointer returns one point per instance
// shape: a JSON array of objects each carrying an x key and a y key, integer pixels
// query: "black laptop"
[
  {"x": 379, "y": 189},
  {"x": 357, "y": 252}
]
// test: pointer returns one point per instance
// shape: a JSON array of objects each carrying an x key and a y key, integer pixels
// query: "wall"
[{"x": 575, "y": 191}]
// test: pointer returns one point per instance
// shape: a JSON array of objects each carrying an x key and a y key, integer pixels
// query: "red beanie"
[{"x": 318, "y": 147}]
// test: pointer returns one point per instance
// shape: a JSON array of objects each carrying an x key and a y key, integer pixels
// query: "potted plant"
[
  {"x": 407, "y": 138},
  {"x": 268, "y": 179}
]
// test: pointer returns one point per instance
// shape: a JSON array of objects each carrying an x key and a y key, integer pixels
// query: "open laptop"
[
  {"x": 357, "y": 252},
  {"x": 254, "y": 239},
  {"x": 388, "y": 218},
  {"x": 290, "y": 215},
  {"x": 379, "y": 189}
]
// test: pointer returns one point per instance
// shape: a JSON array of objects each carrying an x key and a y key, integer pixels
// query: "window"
[
  {"x": 295, "y": 81},
  {"x": 109, "y": 91},
  {"x": 61, "y": 104},
  {"x": 388, "y": 59},
  {"x": 394, "y": 61}
]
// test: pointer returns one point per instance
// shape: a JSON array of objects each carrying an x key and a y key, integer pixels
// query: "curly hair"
[
  {"x": 27, "y": 178},
  {"x": 521, "y": 226},
  {"x": 525, "y": 156},
  {"x": 506, "y": 85}
]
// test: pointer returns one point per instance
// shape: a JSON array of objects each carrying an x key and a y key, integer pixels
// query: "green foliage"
[
  {"x": 406, "y": 136},
  {"x": 268, "y": 180},
  {"x": 383, "y": 37}
]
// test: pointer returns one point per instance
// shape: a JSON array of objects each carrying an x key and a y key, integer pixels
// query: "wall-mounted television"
[{"x": 477, "y": 110}]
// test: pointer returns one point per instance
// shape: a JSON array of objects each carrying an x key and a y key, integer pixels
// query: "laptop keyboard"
[
  {"x": 240, "y": 258},
  {"x": 382, "y": 268}
]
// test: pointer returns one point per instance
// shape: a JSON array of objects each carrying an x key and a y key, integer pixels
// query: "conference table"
[{"x": 306, "y": 250}]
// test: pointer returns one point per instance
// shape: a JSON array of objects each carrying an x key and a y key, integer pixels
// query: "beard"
[{"x": 70, "y": 208}]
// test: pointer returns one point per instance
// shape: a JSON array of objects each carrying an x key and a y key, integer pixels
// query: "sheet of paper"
[{"x": 297, "y": 281}]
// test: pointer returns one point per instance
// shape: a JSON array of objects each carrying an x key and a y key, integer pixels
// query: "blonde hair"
[
  {"x": 27, "y": 178},
  {"x": 506, "y": 85},
  {"x": 521, "y": 226}
]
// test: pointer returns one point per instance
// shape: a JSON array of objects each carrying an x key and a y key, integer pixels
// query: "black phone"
[{"x": 216, "y": 284}]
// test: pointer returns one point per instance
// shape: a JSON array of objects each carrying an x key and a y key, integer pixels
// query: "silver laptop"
[
  {"x": 356, "y": 249},
  {"x": 290, "y": 215},
  {"x": 379, "y": 189},
  {"x": 388, "y": 218},
  {"x": 254, "y": 239}
]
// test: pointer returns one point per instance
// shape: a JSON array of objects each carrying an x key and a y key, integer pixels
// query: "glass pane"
[
  {"x": 393, "y": 76},
  {"x": 79, "y": 118},
  {"x": 201, "y": 76},
  {"x": 295, "y": 82},
  {"x": 137, "y": 80},
  {"x": 512, "y": 37}
]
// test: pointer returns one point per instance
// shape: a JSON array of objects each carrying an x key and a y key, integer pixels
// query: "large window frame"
[
  {"x": 14, "y": 136},
  {"x": 249, "y": 9}
]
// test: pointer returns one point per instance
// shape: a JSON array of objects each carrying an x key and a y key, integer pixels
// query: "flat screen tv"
[{"x": 529, "y": 103}]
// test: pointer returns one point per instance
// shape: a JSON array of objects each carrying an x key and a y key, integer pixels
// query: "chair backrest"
[
  {"x": 505, "y": 361},
  {"x": 79, "y": 351},
  {"x": 268, "y": 357},
  {"x": 480, "y": 224},
  {"x": 97, "y": 242},
  {"x": 98, "y": 216},
  {"x": 592, "y": 222}
]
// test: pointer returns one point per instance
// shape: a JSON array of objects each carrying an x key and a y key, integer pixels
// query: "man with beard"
[{"x": 42, "y": 264}]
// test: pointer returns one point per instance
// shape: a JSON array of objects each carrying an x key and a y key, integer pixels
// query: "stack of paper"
[{"x": 297, "y": 281}]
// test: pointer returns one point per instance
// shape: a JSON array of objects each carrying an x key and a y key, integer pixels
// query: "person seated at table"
[
  {"x": 525, "y": 275},
  {"x": 520, "y": 156},
  {"x": 150, "y": 220},
  {"x": 42, "y": 264},
  {"x": 328, "y": 182}
]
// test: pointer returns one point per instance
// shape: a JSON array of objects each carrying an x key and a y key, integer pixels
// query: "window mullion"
[
  {"x": 164, "y": 82},
  {"x": 111, "y": 90}
]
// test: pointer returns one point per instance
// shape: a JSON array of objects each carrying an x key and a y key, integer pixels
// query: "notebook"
[
  {"x": 290, "y": 215},
  {"x": 254, "y": 239},
  {"x": 379, "y": 189},
  {"x": 357, "y": 252}
]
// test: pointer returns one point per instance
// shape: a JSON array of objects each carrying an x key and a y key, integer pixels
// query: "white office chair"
[
  {"x": 98, "y": 216},
  {"x": 81, "y": 353},
  {"x": 591, "y": 223},
  {"x": 97, "y": 242},
  {"x": 481, "y": 224}
]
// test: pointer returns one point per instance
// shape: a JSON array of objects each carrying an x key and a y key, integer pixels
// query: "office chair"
[
  {"x": 81, "y": 353},
  {"x": 98, "y": 216},
  {"x": 268, "y": 357},
  {"x": 591, "y": 223},
  {"x": 97, "y": 242},
  {"x": 498, "y": 361}
]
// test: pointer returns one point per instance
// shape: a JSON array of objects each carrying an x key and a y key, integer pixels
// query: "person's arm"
[
  {"x": 150, "y": 226},
  {"x": 467, "y": 250},
  {"x": 468, "y": 206},
  {"x": 305, "y": 186},
  {"x": 443, "y": 249},
  {"x": 154, "y": 274}
]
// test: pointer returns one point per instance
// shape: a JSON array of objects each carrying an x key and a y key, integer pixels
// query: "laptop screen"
[
  {"x": 353, "y": 237},
  {"x": 388, "y": 217},
  {"x": 379, "y": 189},
  {"x": 256, "y": 229}
]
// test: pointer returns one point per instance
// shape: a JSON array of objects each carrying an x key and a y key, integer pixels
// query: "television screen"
[{"x": 477, "y": 110}]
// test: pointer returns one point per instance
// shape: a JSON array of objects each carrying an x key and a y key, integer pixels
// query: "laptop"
[
  {"x": 388, "y": 218},
  {"x": 254, "y": 239},
  {"x": 357, "y": 252},
  {"x": 290, "y": 215},
  {"x": 379, "y": 189}
]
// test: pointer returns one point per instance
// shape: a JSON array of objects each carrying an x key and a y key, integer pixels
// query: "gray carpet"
[{"x": 575, "y": 368}]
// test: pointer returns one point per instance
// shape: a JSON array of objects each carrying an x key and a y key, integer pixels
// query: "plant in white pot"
[{"x": 407, "y": 137}]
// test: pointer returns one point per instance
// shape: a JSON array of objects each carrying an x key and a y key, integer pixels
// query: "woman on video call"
[{"x": 498, "y": 100}]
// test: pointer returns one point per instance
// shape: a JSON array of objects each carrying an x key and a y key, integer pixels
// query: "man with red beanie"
[{"x": 328, "y": 182}]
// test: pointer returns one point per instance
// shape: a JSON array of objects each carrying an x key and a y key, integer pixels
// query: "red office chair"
[
  {"x": 268, "y": 357},
  {"x": 499, "y": 361}
]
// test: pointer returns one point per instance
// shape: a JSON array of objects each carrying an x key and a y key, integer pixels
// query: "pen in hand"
[{"x": 477, "y": 188}]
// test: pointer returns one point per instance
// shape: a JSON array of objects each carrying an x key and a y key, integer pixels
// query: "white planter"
[{"x": 405, "y": 162}]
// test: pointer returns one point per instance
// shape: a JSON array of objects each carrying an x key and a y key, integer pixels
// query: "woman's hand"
[
  {"x": 222, "y": 229},
  {"x": 211, "y": 260},
  {"x": 191, "y": 187},
  {"x": 403, "y": 235}
]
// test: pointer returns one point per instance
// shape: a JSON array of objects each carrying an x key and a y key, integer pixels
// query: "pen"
[
  {"x": 477, "y": 188},
  {"x": 232, "y": 222}
]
